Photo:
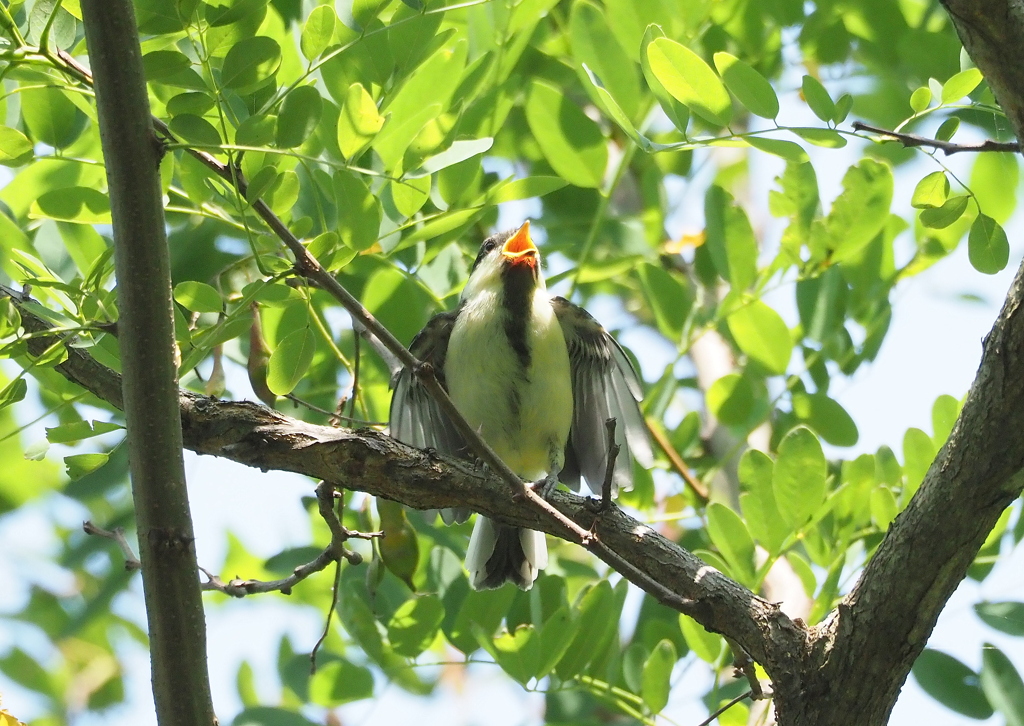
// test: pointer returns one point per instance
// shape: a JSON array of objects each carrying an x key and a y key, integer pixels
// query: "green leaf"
[
  {"x": 803, "y": 571},
  {"x": 595, "y": 612},
  {"x": 570, "y": 141},
  {"x": 517, "y": 652},
  {"x": 860, "y": 212},
  {"x": 481, "y": 610},
  {"x": 78, "y": 430},
  {"x": 399, "y": 132},
  {"x": 730, "y": 399},
  {"x": 458, "y": 152},
  {"x": 51, "y": 117},
  {"x": 556, "y": 635},
  {"x": 668, "y": 297},
  {"x": 987, "y": 246},
  {"x": 657, "y": 675},
  {"x": 690, "y": 80},
  {"x": 1002, "y": 685},
  {"x": 283, "y": 193},
  {"x": 826, "y": 138},
  {"x": 340, "y": 681},
  {"x": 920, "y": 99},
  {"x": 198, "y": 297},
  {"x": 798, "y": 479},
  {"x": 951, "y": 683},
  {"x": 994, "y": 181},
  {"x": 270, "y": 716},
  {"x": 947, "y": 128},
  {"x": 250, "y": 64},
  {"x": 730, "y": 239},
  {"x": 318, "y": 31},
  {"x": 409, "y": 195},
  {"x": 433, "y": 82},
  {"x": 945, "y": 411},
  {"x": 818, "y": 99},
  {"x": 827, "y": 417},
  {"x": 24, "y": 670},
  {"x": 13, "y": 392},
  {"x": 81, "y": 464},
  {"x": 960, "y": 85},
  {"x": 258, "y": 130},
  {"x": 750, "y": 87},
  {"x": 707, "y": 646},
  {"x": 1006, "y": 617},
  {"x": 932, "y": 191},
  {"x": 15, "y": 148},
  {"x": 193, "y": 102},
  {"x": 918, "y": 453},
  {"x": 677, "y": 113},
  {"x": 594, "y": 45},
  {"x": 414, "y": 625},
  {"x": 611, "y": 108},
  {"x": 358, "y": 122},
  {"x": 758, "y": 502},
  {"x": 163, "y": 65},
  {"x": 260, "y": 184},
  {"x": 73, "y": 204},
  {"x": 787, "y": 150},
  {"x": 299, "y": 116},
  {"x": 884, "y": 507},
  {"x": 730, "y": 536},
  {"x": 949, "y": 212},
  {"x": 531, "y": 186},
  {"x": 761, "y": 333},
  {"x": 290, "y": 361},
  {"x": 195, "y": 129},
  {"x": 359, "y": 211}
]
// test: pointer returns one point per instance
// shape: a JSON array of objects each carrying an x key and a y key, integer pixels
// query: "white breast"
[{"x": 524, "y": 415}]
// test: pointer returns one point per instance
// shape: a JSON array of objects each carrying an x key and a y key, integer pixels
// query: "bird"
[{"x": 537, "y": 377}]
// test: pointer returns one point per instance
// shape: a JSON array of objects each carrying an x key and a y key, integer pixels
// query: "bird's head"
[{"x": 504, "y": 257}]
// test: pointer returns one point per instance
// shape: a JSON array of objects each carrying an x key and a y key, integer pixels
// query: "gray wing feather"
[
  {"x": 605, "y": 385},
  {"x": 415, "y": 418}
]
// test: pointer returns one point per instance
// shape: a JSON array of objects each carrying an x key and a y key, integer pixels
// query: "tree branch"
[
  {"x": 174, "y": 604},
  {"x": 947, "y": 147},
  {"x": 369, "y": 461}
]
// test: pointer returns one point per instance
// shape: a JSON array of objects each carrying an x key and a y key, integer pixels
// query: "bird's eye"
[{"x": 489, "y": 245}]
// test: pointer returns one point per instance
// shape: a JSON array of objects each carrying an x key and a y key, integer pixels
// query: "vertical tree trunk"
[{"x": 174, "y": 606}]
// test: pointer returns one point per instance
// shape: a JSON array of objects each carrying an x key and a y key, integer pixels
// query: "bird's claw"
[{"x": 544, "y": 487}]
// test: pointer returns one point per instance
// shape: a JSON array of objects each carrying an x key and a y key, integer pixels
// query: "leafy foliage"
[{"x": 391, "y": 139}]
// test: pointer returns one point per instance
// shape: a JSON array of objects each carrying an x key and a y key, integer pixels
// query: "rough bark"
[{"x": 174, "y": 606}]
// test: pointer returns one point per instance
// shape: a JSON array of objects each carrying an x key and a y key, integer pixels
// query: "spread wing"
[
  {"x": 604, "y": 385},
  {"x": 415, "y": 418}
]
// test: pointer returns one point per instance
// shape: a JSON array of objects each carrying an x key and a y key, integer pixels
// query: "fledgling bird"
[{"x": 537, "y": 377}]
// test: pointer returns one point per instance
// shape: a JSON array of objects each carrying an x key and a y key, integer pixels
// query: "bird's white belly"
[{"x": 524, "y": 415}]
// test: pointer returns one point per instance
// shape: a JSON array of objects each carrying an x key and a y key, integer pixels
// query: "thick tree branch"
[
  {"x": 174, "y": 605},
  {"x": 368, "y": 461},
  {"x": 886, "y": 620}
]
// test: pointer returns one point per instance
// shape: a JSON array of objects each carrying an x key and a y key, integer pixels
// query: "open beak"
[{"x": 519, "y": 249}]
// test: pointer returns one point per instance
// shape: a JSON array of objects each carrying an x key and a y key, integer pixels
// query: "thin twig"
[
  {"x": 333, "y": 552},
  {"x": 131, "y": 562},
  {"x": 333, "y": 414},
  {"x": 947, "y": 147},
  {"x": 677, "y": 461},
  {"x": 745, "y": 666},
  {"x": 724, "y": 708}
]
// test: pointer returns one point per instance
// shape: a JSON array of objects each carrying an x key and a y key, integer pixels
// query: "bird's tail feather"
[{"x": 498, "y": 553}]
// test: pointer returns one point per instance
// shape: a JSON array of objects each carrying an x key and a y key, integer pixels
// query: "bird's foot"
[{"x": 545, "y": 486}]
